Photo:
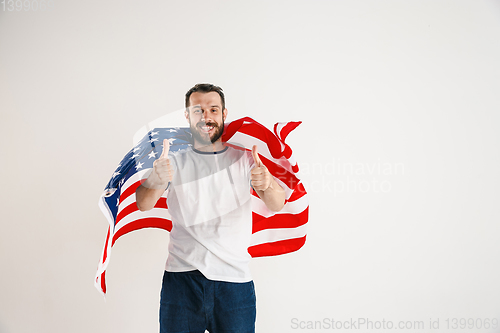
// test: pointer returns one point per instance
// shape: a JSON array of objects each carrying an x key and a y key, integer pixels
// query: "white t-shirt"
[{"x": 209, "y": 201}]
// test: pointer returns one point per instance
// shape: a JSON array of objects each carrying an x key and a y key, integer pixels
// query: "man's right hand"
[
  {"x": 162, "y": 170},
  {"x": 153, "y": 188}
]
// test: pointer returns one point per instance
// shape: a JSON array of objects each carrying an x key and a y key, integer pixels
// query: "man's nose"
[{"x": 204, "y": 116}]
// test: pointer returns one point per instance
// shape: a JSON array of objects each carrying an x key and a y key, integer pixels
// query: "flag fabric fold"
[{"x": 273, "y": 233}]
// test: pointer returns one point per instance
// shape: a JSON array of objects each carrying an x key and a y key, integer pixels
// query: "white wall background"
[{"x": 404, "y": 92}]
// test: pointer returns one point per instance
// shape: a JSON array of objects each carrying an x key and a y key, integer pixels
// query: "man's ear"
[
  {"x": 186, "y": 114},
  {"x": 224, "y": 114}
]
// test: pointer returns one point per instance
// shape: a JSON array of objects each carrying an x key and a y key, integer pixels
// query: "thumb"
[
  {"x": 166, "y": 148},
  {"x": 256, "y": 158}
]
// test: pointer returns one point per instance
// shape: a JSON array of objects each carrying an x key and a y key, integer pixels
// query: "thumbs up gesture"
[
  {"x": 162, "y": 170},
  {"x": 260, "y": 176},
  {"x": 151, "y": 190}
]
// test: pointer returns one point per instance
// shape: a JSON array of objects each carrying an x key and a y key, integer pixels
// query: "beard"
[{"x": 204, "y": 138}]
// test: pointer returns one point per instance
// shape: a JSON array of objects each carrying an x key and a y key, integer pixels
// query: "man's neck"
[{"x": 213, "y": 147}]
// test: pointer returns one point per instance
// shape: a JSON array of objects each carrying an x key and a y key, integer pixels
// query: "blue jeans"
[{"x": 192, "y": 303}]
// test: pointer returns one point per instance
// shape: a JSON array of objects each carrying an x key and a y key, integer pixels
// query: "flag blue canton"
[{"x": 141, "y": 157}]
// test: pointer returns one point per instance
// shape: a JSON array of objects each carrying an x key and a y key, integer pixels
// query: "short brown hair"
[{"x": 206, "y": 88}]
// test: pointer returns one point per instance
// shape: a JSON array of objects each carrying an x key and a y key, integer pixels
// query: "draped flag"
[{"x": 273, "y": 233}]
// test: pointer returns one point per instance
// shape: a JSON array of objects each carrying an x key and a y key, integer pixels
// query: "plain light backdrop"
[{"x": 399, "y": 151}]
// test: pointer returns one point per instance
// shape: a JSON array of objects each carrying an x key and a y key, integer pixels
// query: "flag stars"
[
  {"x": 153, "y": 133},
  {"x": 138, "y": 166},
  {"x": 152, "y": 154},
  {"x": 115, "y": 174},
  {"x": 134, "y": 156},
  {"x": 153, "y": 140},
  {"x": 136, "y": 149}
]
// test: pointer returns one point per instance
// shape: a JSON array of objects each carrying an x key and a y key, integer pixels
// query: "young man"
[{"x": 207, "y": 282}]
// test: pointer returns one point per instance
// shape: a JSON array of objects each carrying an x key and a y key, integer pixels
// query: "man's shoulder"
[
  {"x": 182, "y": 151},
  {"x": 180, "y": 156},
  {"x": 240, "y": 154}
]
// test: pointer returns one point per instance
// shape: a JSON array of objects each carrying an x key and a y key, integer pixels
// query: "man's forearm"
[
  {"x": 146, "y": 197},
  {"x": 273, "y": 196}
]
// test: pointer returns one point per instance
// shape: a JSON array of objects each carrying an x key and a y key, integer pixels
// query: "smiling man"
[{"x": 207, "y": 283}]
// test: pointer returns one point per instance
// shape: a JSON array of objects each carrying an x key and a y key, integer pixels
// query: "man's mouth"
[{"x": 206, "y": 128}]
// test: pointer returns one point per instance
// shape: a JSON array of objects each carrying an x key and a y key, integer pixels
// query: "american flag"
[{"x": 273, "y": 233}]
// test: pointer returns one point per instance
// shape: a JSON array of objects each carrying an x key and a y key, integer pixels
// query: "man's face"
[{"x": 206, "y": 117}]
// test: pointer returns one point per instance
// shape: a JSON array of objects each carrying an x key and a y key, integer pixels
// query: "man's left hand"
[{"x": 260, "y": 175}]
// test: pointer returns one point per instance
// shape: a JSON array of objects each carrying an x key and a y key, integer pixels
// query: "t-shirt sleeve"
[
  {"x": 250, "y": 160},
  {"x": 174, "y": 165}
]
